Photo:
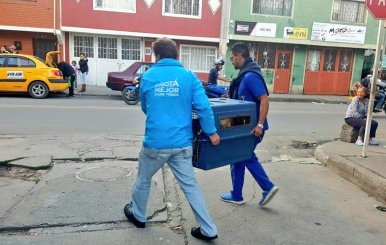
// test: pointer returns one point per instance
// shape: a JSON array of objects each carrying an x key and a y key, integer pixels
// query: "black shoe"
[
  {"x": 196, "y": 232},
  {"x": 377, "y": 109},
  {"x": 129, "y": 214}
]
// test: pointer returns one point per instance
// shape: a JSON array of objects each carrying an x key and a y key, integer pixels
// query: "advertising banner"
[
  {"x": 255, "y": 29},
  {"x": 295, "y": 33},
  {"x": 326, "y": 32}
]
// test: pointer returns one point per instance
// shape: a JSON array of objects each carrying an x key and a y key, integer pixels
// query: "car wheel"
[
  {"x": 129, "y": 96},
  {"x": 38, "y": 90}
]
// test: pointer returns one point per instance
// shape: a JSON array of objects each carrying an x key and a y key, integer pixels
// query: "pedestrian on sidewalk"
[
  {"x": 249, "y": 85},
  {"x": 168, "y": 94},
  {"x": 68, "y": 74},
  {"x": 83, "y": 67},
  {"x": 356, "y": 117},
  {"x": 4, "y": 50},
  {"x": 13, "y": 49},
  {"x": 76, "y": 69}
]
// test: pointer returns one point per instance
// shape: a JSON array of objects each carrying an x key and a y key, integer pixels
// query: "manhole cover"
[{"x": 103, "y": 174}]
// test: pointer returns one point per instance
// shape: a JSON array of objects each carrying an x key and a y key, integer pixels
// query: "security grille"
[
  {"x": 84, "y": 44},
  {"x": 131, "y": 49},
  {"x": 107, "y": 48}
]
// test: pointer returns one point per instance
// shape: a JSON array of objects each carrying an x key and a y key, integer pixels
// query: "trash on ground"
[{"x": 380, "y": 208}]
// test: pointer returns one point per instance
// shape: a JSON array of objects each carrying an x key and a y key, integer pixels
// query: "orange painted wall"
[
  {"x": 26, "y": 39},
  {"x": 29, "y": 13}
]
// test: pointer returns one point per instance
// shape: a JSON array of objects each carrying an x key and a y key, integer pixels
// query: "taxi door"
[
  {"x": 2, "y": 72},
  {"x": 15, "y": 74}
]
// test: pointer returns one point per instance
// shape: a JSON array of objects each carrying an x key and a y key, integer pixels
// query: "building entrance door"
[
  {"x": 42, "y": 46},
  {"x": 283, "y": 66},
  {"x": 328, "y": 71}
]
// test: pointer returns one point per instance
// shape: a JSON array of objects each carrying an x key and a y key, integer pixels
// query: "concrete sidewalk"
[
  {"x": 368, "y": 173},
  {"x": 93, "y": 90},
  {"x": 79, "y": 199}
]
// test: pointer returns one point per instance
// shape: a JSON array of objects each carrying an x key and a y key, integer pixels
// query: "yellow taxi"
[{"x": 27, "y": 73}]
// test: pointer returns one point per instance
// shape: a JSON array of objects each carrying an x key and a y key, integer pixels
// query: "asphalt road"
[
  {"x": 314, "y": 205},
  {"x": 295, "y": 128}
]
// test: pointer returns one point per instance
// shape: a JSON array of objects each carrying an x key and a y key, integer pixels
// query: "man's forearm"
[{"x": 264, "y": 107}]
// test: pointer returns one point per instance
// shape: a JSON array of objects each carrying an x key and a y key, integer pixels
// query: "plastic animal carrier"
[{"x": 234, "y": 121}]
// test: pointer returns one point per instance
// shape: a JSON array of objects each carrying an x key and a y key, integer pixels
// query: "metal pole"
[{"x": 381, "y": 30}]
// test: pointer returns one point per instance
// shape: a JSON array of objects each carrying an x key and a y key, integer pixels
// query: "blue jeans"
[
  {"x": 180, "y": 162},
  {"x": 380, "y": 99},
  {"x": 255, "y": 168}
]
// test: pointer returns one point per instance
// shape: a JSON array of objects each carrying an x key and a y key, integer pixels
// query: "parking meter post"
[{"x": 373, "y": 86}]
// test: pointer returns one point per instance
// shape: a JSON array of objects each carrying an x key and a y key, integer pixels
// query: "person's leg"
[
  {"x": 257, "y": 170},
  {"x": 373, "y": 128},
  {"x": 237, "y": 176},
  {"x": 258, "y": 173},
  {"x": 149, "y": 162},
  {"x": 76, "y": 82},
  {"x": 380, "y": 100},
  {"x": 82, "y": 77},
  {"x": 359, "y": 124},
  {"x": 71, "y": 88},
  {"x": 181, "y": 165}
]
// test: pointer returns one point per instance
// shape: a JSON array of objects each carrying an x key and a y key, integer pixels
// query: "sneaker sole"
[
  {"x": 231, "y": 201},
  {"x": 271, "y": 194}
]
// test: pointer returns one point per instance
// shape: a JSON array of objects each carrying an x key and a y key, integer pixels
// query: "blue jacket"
[{"x": 169, "y": 92}]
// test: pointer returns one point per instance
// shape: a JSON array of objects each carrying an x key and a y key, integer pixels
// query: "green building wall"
[{"x": 304, "y": 14}]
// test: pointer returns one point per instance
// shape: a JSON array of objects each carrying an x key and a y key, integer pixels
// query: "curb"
[
  {"x": 275, "y": 99},
  {"x": 362, "y": 177},
  {"x": 306, "y": 100}
]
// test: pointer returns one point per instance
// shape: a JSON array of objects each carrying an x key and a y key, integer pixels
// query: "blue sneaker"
[
  {"x": 227, "y": 197},
  {"x": 268, "y": 195}
]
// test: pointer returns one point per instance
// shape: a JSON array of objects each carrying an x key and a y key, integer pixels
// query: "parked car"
[
  {"x": 120, "y": 81},
  {"x": 27, "y": 73}
]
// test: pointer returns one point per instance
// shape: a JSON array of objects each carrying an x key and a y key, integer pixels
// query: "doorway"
[
  {"x": 42, "y": 46},
  {"x": 282, "y": 71}
]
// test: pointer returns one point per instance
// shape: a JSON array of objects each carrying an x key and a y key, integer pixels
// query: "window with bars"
[
  {"x": 329, "y": 59},
  {"x": 84, "y": 44},
  {"x": 183, "y": 7},
  {"x": 345, "y": 57},
  {"x": 197, "y": 58},
  {"x": 115, "y": 5},
  {"x": 349, "y": 11},
  {"x": 107, "y": 48},
  {"x": 313, "y": 59},
  {"x": 131, "y": 49},
  {"x": 272, "y": 7},
  {"x": 266, "y": 56}
]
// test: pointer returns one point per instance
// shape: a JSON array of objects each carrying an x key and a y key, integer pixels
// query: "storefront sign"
[
  {"x": 295, "y": 33},
  {"x": 255, "y": 29},
  {"x": 338, "y": 33}
]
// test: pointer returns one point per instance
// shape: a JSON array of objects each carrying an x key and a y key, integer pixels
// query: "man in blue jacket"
[
  {"x": 249, "y": 85},
  {"x": 169, "y": 92}
]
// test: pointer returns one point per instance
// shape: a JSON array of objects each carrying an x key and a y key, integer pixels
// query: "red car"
[{"x": 120, "y": 80}]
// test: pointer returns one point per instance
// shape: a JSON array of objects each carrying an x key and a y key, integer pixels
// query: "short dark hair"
[
  {"x": 241, "y": 48},
  {"x": 165, "y": 48},
  {"x": 83, "y": 54}
]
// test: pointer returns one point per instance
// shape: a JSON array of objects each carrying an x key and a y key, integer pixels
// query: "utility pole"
[{"x": 380, "y": 41}]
